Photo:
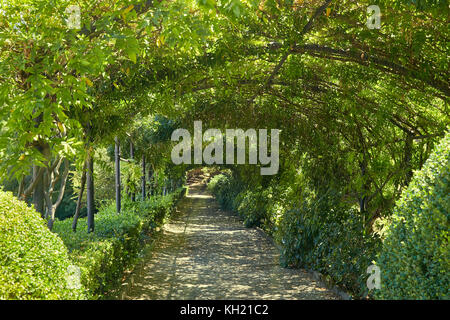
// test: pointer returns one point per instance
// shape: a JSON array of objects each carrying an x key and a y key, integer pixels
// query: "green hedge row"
[
  {"x": 415, "y": 259},
  {"x": 36, "y": 263}
]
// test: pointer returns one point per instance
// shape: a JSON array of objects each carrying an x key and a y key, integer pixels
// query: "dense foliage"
[
  {"x": 415, "y": 260},
  {"x": 326, "y": 237}
]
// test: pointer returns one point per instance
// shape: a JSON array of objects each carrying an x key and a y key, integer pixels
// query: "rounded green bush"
[
  {"x": 33, "y": 260},
  {"x": 415, "y": 258}
]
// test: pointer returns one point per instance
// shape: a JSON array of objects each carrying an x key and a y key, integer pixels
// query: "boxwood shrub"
[
  {"x": 35, "y": 263},
  {"x": 33, "y": 260},
  {"x": 415, "y": 258}
]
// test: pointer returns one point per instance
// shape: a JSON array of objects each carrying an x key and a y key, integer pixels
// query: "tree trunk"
[
  {"x": 38, "y": 193},
  {"x": 80, "y": 196},
  {"x": 143, "y": 178},
  {"x": 48, "y": 200},
  {"x": 117, "y": 166},
  {"x": 52, "y": 207},
  {"x": 90, "y": 190},
  {"x": 21, "y": 186},
  {"x": 38, "y": 185},
  {"x": 155, "y": 184},
  {"x": 150, "y": 191},
  {"x": 133, "y": 195}
]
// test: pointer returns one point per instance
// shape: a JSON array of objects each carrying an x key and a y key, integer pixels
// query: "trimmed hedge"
[
  {"x": 415, "y": 259},
  {"x": 33, "y": 260},
  {"x": 35, "y": 263},
  {"x": 118, "y": 238}
]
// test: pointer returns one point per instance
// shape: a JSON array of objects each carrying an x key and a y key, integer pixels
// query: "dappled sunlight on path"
[{"x": 206, "y": 253}]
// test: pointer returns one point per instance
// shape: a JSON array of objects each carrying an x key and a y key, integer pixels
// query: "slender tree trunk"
[
  {"x": 52, "y": 207},
  {"x": 133, "y": 195},
  {"x": 38, "y": 189},
  {"x": 90, "y": 190},
  {"x": 143, "y": 178},
  {"x": 117, "y": 166},
  {"x": 21, "y": 186},
  {"x": 80, "y": 196},
  {"x": 34, "y": 180},
  {"x": 38, "y": 193},
  {"x": 48, "y": 201},
  {"x": 150, "y": 191},
  {"x": 155, "y": 184}
]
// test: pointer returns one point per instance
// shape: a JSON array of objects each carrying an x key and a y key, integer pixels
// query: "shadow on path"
[{"x": 206, "y": 253}]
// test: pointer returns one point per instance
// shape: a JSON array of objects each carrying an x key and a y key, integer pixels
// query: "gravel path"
[{"x": 206, "y": 253}]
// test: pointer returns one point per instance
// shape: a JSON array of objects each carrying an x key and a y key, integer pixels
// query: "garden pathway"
[{"x": 207, "y": 253}]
